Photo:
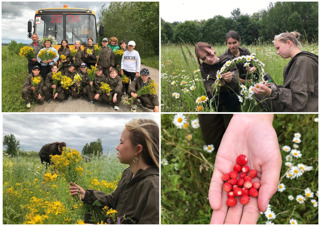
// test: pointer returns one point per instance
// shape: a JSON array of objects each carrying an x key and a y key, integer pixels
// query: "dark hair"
[
  {"x": 202, "y": 50},
  {"x": 61, "y": 47},
  {"x": 121, "y": 42},
  {"x": 113, "y": 69},
  {"x": 90, "y": 39},
  {"x": 55, "y": 64},
  {"x": 232, "y": 34},
  {"x": 146, "y": 133}
]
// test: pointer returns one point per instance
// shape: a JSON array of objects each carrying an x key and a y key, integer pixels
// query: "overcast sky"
[
  {"x": 35, "y": 130},
  {"x": 182, "y": 10},
  {"x": 15, "y": 16}
]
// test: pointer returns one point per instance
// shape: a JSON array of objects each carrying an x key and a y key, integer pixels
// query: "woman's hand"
[
  {"x": 227, "y": 76},
  {"x": 76, "y": 189},
  {"x": 262, "y": 90}
]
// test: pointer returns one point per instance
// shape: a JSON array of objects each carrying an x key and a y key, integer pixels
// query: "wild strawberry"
[
  {"x": 247, "y": 178},
  {"x": 230, "y": 194},
  {"x": 247, "y": 184},
  {"x": 253, "y": 192},
  {"x": 242, "y": 160},
  {"x": 227, "y": 187},
  {"x": 245, "y": 169},
  {"x": 252, "y": 173},
  {"x": 231, "y": 202},
  {"x": 242, "y": 175},
  {"x": 237, "y": 191},
  {"x": 233, "y": 174},
  {"x": 256, "y": 185},
  {"x": 244, "y": 199},
  {"x": 245, "y": 191},
  {"x": 237, "y": 168},
  {"x": 240, "y": 182},
  {"x": 225, "y": 177},
  {"x": 232, "y": 181}
]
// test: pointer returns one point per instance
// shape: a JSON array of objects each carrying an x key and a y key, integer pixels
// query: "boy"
[
  {"x": 85, "y": 83},
  {"x": 96, "y": 93},
  {"x": 32, "y": 91},
  {"x": 49, "y": 86},
  {"x": 115, "y": 83},
  {"x": 149, "y": 100},
  {"x": 106, "y": 58}
]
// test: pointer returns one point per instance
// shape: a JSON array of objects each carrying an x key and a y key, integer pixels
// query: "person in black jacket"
[{"x": 51, "y": 149}]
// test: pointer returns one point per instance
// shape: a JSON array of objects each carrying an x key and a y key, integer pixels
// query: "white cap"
[{"x": 131, "y": 43}]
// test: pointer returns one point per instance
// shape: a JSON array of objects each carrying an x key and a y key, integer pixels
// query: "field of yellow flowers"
[{"x": 33, "y": 194}]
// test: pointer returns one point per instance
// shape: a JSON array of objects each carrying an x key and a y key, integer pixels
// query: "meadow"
[
  {"x": 187, "y": 168},
  {"x": 182, "y": 84},
  {"x": 33, "y": 194}
]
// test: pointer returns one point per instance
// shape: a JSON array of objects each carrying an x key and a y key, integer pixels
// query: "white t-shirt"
[{"x": 131, "y": 61}]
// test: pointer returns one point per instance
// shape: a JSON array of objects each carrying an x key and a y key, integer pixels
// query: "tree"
[
  {"x": 166, "y": 32},
  {"x": 93, "y": 149},
  {"x": 12, "y": 144},
  {"x": 188, "y": 32}
]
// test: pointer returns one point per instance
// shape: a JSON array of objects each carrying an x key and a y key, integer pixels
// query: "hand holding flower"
[
  {"x": 227, "y": 76},
  {"x": 262, "y": 90},
  {"x": 76, "y": 189}
]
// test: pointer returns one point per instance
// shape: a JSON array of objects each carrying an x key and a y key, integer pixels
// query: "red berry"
[
  {"x": 233, "y": 174},
  {"x": 227, "y": 187},
  {"x": 247, "y": 178},
  {"x": 232, "y": 181},
  {"x": 242, "y": 175},
  {"x": 252, "y": 173},
  {"x": 225, "y": 177},
  {"x": 230, "y": 194},
  {"x": 247, "y": 184},
  {"x": 237, "y": 168},
  {"x": 231, "y": 202},
  {"x": 245, "y": 169},
  {"x": 244, "y": 199},
  {"x": 237, "y": 191},
  {"x": 242, "y": 160},
  {"x": 245, "y": 191},
  {"x": 240, "y": 182},
  {"x": 234, "y": 186},
  {"x": 256, "y": 185},
  {"x": 253, "y": 192}
]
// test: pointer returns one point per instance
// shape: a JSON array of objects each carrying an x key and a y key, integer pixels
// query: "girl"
[
  {"x": 113, "y": 44},
  {"x": 137, "y": 195},
  {"x": 78, "y": 59},
  {"x": 64, "y": 50},
  {"x": 90, "y": 56}
]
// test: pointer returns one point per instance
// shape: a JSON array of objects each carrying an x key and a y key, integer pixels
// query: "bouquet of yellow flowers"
[
  {"x": 73, "y": 52},
  {"x": 36, "y": 81},
  {"x": 66, "y": 82},
  {"x": 97, "y": 49},
  {"x": 63, "y": 57},
  {"x": 105, "y": 87},
  {"x": 125, "y": 79},
  {"x": 77, "y": 79},
  {"x": 150, "y": 88},
  {"x": 119, "y": 54},
  {"x": 92, "y": 72},
  {"x": 45, "y": 54},
  {"x": 89, "y": 51},
  {"x": 27, "y": 52},
  {"x": 56, "y": 77}
]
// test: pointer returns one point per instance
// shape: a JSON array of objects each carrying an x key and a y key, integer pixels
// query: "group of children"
[{"x": 39, "y": 87}]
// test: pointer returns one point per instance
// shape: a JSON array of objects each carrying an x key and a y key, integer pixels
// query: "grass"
[
  {"x": 23, "y": 183},
  {"x": 178, "y": 64},
  {"x": 186, "y": 178},
  {"x": 151, "y": 61}
]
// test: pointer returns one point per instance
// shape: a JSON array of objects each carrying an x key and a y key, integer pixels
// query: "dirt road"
[{"x": 82, "y": 105}]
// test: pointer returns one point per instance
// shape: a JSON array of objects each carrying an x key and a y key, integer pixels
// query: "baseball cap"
[
  {"x": 144, "y": 71},
  {"x": 36, "y": 67},
  {"x": 105, "y": 39},
  {"x": 70, "y": 64},
  {"x": 83, "y": 65},
  {"x": 99, "y": 67},
  {"x": 131, "y": 43}
]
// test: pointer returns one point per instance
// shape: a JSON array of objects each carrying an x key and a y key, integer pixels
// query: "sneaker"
[
  {"x": 116, "y": 108},
  {"x": 28, "y": 105}
]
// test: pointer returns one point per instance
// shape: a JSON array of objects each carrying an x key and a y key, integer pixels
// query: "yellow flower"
[
  {"x": 80, "y": 222},
  {"x": 66, "y": 82},
  {"x": 63, "y": 57},
  {"x": 105, "y": 87},
  {"x": 189, "y": 137},
  {"x": 199, "y": 108},
  {"x": 27, "y": 51},
  {"x": 89, "y": 51}
]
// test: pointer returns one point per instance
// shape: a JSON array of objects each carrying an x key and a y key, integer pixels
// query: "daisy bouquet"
[
  {"x": 27, "y": 52},
  {"x": 66, "y": 82},
  {"x": 92, "y": 72},
  {"x": 56, "y": 77},
  {"x": 77, "y": 79}
]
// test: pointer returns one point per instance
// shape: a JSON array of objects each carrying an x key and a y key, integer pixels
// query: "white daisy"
[
  {"x": 281, "y": 187},
  {"x": 179, "y": 120},
  {"x": 228, "y": 63},
  {"x": 189, "y": 136},
  {"x": 296, "y": 140},
  {"x": 308, "y": 193},
  {"x": 164, "y": 162},
  {"x": 290, "y": 197},
  {"x": 185, "y": 90},
  {"x": 289, "y": 158},
  {"x": 270, "y": 215},
  {"x": 246, "y": 64},
  {"x": 293, "y": 221},
  {"x": 195, "y": 71},
  {"x": 314, "y": 202},
  {"x": 196, "y": 79},
  {"x": 295, "y": 153},
  {"x": 240, "y": 99},
  {"x": 201, "y": 99},
  {"x": 296, "y": 171},
  {"x": 297, "y": 135},
  {"x": 295, "y": 146},
  {"x": 183, "y": 83},
  {"x": 251, "y": 90},
  {"x": 286, "y": 148},
  {"x": 192, "y": 88},
  {"x": 195, "y": 124},
  {"x": 173, "y": 82},
  {"x": 288, "y": 164},
  {"x": 290, "y": 175},
  {"x": 176, "y": 95},
  {"x": 300, "y": 199},
  {"x": 316, "y": 119},
  {"x": 208, "y": 148},
  {"x": 269, "y": 223}
]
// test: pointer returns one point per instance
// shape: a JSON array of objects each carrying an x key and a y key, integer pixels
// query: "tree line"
[{"x": 259, "y": 28}]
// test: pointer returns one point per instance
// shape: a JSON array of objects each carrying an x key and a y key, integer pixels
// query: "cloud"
[{"x": 35, "y": 130}]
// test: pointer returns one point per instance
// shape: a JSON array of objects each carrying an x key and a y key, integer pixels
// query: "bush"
[{"x": 15, "y": 47}]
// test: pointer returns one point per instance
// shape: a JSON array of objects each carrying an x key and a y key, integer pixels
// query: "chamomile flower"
[
  {"x": 286, "y": 148},
  {"x": 289, "y": 158},
  {"x": 195, "y": 123},
  {"x": 295, "y": 146},
  {"x": 246, "y": 64},
  {"x": 281, "y": 187},
  {"x": 300, "y": 199},
  {"x": 179, "y": 120},
  {"x": 243, "y": 87},
  {"x": 176, "y": 95},
  {"x": 219, "y": 76},
  {"x": 290, "y": 197},
  {"x": 196, "y": 80},
  {"x": 293, "y": 221},
  {"x": 297, "y": 135},
  {"x": 201, "y": 99},
  {"x": 186, "y": 125},
  {"x": 295, "y": 153},
  {"x": 251, "y": 90},
  {"x": 314, "y": 202},
  {"x": 222, "y": 69},
  {"x": 164, "y": 162},
  {"x": 290, "y": 175},
  {"x": 208, "y": 148},
  {"x": 270, "y": 214},
  {"x": 288, "y": 164},
  {"x": 296, "y": 140},
  {"x": 195, "y": 71},
  {"x": 316, "y": 119},
  {"x": 183, "y": 83},
  {"x": 192, "y": 88},
  {"x": 240, "y": 98},
  {"x": 173, "y": 83},
  {"x": 248, "y": 58},
  {"x": 189, "y": 136},
  {"x": 228, "y": 63},
  {"x": 199, "y": 108},
  {"x": 302, "y": 167},
  {"x": 308, "y": 193},
  {"x": 296, "y": 171},
  {"x": 185, "y": 90},
  {"x": 269, "y": 223}
]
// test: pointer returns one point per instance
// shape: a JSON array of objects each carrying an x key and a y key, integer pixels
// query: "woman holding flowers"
[
  {"x": 47, "y": 57},
  {"x": 136, "y": 199},
  {"x": 89, "y": 52},
  {"x": 299, "y": 92},
  {"x": 65, "y": 55},
  {"x": 222, "y": 88}
]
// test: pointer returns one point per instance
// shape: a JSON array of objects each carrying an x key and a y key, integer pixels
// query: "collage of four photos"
[{"x": 160, "y": 112}]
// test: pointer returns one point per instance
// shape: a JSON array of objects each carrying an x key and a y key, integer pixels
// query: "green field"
[
  {"x": 187, "y": 169},
  {"x": 178, "y": 64},
  {"x": 31, "y": 197}
]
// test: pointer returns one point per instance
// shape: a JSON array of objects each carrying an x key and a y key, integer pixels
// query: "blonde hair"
[
  {"x": 146, "y": 133},
  {"x": 292, "y": 36},
  {"x": 77, "y": 41},
  {"x": 113, "y": 39}
]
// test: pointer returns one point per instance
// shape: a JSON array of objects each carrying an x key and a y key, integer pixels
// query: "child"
[
  {"x": 85, "y": 83},
  {"x": 49, "y": 86},
  {"x": 64, "y": 50},
  {"x": 106, "y": 58},
  {"x": 113, "y": 44},
  {"x": 149, "y": 100},
  {"x": 123, "y": 45},
  {"x": 115, "y": 83},
  {"x": 96, "y": 93},
  {"x": 71, "y": 72},
  {"x": 31, "y": 91},
  {"x": 90, "y": 58},
  {"x": 78, "y": 59}
]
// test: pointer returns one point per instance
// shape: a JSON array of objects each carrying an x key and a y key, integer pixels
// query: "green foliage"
[
  {"x": 185, "y": 180},
  {"x": 28, "y": 154},
  {"x": 15, "y": 47},
  {"x": 93, "y": 148},
  {"x": 151, "y": 61},
  {"x": 187, "y": 32},
  {"x": 12, "y": 144},
  {"x": 166, "y": 32}
]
